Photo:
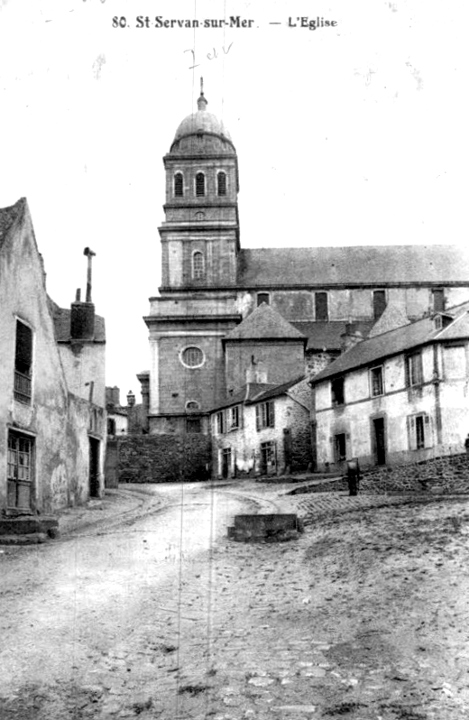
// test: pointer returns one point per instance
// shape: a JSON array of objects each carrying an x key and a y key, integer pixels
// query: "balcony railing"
[{"x": 22, "y": 389}]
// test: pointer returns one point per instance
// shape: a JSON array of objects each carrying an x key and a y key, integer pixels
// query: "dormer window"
[
  {"x": 178, "y": 185},
  {"x": 221, "y": 183},
  {"x": 198, "y": 266},
  {"x": 200, "y": 184}
]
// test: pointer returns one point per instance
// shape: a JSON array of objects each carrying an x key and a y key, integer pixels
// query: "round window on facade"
[{"x": 192, "y": 357}]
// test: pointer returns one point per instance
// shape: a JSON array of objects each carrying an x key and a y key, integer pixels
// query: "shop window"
[{"x": 23, "y": 363}]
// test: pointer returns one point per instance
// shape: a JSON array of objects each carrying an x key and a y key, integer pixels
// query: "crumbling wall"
[
  {"x": 163, "y": 458},
  {"x": 448, "y": 474}
]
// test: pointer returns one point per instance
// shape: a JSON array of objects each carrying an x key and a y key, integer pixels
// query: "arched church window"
[
  {"x": 192, "y": 357},
  {"x": 192, "y": 405},
  {"x": 200, "y": 184},
  {"x": 221, "y": 183},
  {"x": 178, "y": 185},
  {"x": 198, "y": 266}
]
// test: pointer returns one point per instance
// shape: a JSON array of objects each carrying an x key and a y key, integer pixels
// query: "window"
[
  {"x": 178, "y": 185},
  {"x": 337, "y": 391},
  {"x": 265, "y": 415},
  {"x": 379, "y": 303},
  {"x": 221, "y": 183},
  {"x": 263, "y": 298},
  {"x": 413, "y": 367},
  {"x": 192, "y": 357},
  {"x": 19, "y": 471},
  {"x": 320, "y": 306},
  {"x": 268, "y": 457},
  {"x": 454, "y": 362},
  {"x": 200, "y": 184},
  {"x": 377, "y": 385},
  {"x": 193, "y": 425},
  {"x": 23, "y": 363},
  {"x": 198, "y": 266},
  {"x": 419, "y": 431},
  {"x": 111, "y": 426},
  {"x": 234, "y": 417},
  {"x": 220, "y": 422},
  {"x": 340, "y": 447},
  {"x": 438, "y": 298},
  {"x": 192, "y": 405}
]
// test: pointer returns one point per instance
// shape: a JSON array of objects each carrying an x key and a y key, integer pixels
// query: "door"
[
  {"x": 94, "y": 467},
  {"x": 225, "y": 463},
  {"x": 20, "y": 473},
  {"x": 379, "y": 441}
]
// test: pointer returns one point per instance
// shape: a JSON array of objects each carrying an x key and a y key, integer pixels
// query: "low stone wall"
[
  {"x": 448, "y": 474},
  {"x": 163, "y": 458}
]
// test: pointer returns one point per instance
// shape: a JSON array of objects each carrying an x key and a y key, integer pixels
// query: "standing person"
[{"x": 353, "y": 476}]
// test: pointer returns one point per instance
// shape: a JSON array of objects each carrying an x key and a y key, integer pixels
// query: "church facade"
[{"x": 321, "y": 299}]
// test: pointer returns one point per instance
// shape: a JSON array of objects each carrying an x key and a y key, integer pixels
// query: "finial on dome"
[{"x": 201, "y": 102}]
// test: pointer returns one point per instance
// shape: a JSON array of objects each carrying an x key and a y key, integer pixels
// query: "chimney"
[
  {"x": 351, "y": 337},
  {"x": 82, "y": 313}
]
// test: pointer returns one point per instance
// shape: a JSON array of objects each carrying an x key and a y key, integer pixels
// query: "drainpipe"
[{"x": 436, "y": 384}]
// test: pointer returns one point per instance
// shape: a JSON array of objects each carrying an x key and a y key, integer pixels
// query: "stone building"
[
  {"x": 210, "y": 284},
  {"x": 263, "y": 430},
  {"x": 52, "y": 396},
  {"x": 400, "y": 396}
]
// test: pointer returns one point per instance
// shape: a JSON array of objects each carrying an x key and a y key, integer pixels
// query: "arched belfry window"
[
  {"x": 200, "y": 184},
  {"x": 178, "y": 185},
  {"x": 221, "y": 183},
  {"x": 198, "y": 265}
]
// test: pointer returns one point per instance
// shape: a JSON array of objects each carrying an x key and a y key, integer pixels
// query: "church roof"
[
  {"x": 327, "y": 335},
  {"x": 397, "y": 341},
  {"x": 201, "y": 121},
  {"x": 264, "y": 323},
  {"x": 360, "y": 265}
]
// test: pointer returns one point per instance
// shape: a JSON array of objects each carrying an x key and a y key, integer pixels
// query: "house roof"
[
  {"x": 257, "y": 392},
  {"x": 264, "y": 323},
  {"x": 361, "y": 265},
  {"x": 327, "y": 335},
  {"x": 8, "y": 216},
  {"x": 396, "y": 341},
  {"x": 276, "y": 390}
]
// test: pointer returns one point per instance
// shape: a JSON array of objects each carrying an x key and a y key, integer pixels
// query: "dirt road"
[{"x": 159, "y": 615}]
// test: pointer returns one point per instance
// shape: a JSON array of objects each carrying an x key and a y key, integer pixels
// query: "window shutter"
[
  {"x": 407, "y": 373},
  {"x": 271, "y": 414},
  {"x": 411, "y": 432},
  {"x": 428, "y": 431},
  {"x": 258, "y": 417}
]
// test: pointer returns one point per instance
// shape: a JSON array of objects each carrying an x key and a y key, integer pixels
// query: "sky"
[{"x": 353, "y": 134}]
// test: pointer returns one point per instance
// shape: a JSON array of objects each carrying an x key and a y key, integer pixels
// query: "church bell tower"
[{"x": 196, "y": 307}]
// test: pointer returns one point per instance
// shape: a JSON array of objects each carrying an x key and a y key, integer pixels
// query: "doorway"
[
  {"x": 379, "y": 441},
  {"x": 94, "y": 467},
  {"x": 225, "y": 463}
]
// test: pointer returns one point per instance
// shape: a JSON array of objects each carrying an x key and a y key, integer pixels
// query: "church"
[{"x": 226, "y": 316}]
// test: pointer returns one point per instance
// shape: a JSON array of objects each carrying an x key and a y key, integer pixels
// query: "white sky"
[{"x": 345, "y": 136}]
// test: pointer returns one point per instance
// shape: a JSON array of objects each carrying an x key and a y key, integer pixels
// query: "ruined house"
[{"x": 52, "y": 390}]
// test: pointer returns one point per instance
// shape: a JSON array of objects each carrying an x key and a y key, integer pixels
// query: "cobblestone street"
[{"x": 364, "y": 616}]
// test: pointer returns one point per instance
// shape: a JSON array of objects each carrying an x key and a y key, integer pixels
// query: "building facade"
[
  {"x": 401, "y": 396},
  {"x": 210, "y": 284},
  {"x": 52, "y": 402}
]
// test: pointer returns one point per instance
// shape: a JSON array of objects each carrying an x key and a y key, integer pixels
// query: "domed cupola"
[{"x": 202, "y": 132}]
